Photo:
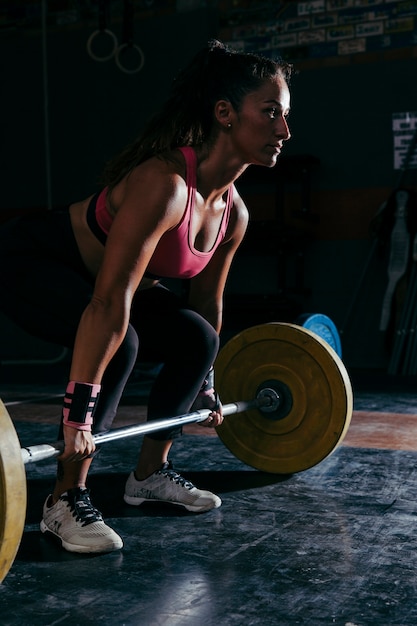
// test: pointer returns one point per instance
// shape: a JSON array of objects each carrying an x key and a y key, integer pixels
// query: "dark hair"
[{"x": 216, "y": 73}]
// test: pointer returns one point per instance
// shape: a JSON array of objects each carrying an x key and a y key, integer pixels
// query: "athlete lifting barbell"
[{"x": 88, "y": 277}]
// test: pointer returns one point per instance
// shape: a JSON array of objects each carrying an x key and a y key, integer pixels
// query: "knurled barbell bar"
[{"x": 295, "y": 408}]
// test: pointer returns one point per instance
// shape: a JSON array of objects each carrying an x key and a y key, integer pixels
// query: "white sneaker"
[
  {"x": 79, "y": 525},
  {"x": 166, "y": 485}
]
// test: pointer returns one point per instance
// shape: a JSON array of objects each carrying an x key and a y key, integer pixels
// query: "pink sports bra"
[{"x": 175, "y": 255}]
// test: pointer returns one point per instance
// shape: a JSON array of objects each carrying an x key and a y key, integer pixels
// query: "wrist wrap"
[{"x": 80, "y": 402}]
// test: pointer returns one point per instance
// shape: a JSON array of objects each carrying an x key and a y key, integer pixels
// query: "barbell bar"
[
  {"x": 295, "y": 409},
  {"x": 267, "y": 399}
]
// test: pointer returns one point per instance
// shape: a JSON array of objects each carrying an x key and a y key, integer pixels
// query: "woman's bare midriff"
[{"x": 90, "y": 248}]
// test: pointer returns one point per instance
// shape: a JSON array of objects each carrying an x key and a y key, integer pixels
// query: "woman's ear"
[{"x": 223, "y": 113}]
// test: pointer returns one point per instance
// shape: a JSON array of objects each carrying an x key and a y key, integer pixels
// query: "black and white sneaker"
[
  {"x": 166, "y": 485},
  {"x": 79, "y": 526}
]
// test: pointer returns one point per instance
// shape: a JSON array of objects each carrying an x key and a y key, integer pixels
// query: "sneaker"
[
  {"x": 166, "y": 485},
  {"x": 78, "y": 525}
]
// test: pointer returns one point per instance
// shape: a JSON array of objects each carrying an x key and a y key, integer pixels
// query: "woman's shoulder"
[
  {"x": 166, "y": 164},
  {"x": 157, "y": 183}
]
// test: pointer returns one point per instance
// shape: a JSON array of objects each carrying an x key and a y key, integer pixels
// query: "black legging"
[{"x": 45, "y": 287}]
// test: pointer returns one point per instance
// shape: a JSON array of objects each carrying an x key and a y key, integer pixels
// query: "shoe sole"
[
  {"x": 73, "y": 547},
  {"x": 193, "y": 509}
]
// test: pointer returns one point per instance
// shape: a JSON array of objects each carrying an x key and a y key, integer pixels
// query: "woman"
[{"x": 92, "y": 276}]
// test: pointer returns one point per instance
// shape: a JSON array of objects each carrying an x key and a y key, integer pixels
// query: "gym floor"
[{"x": 335, "y": 544}]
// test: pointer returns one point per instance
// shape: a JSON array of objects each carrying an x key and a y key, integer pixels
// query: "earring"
[{"x": 229, "y": 125}]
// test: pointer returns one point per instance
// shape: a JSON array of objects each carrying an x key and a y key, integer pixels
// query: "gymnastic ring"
[
  {"x": 93, "y": 36},
  {"x": 141, "y": 58}
]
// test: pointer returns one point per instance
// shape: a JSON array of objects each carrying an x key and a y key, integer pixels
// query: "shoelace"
[
  {"x": 174, "y": 476},
  {"x": 82, "y": 508}
]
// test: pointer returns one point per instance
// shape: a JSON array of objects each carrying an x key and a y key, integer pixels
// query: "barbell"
[{"x": 295, "y": 408}]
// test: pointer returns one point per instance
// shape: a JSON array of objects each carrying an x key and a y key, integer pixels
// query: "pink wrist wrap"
[{"x": 80, "y": 402}]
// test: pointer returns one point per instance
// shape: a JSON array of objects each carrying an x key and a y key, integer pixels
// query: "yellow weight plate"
[
  {"x": 12, "y": 493},
  {"x": 316, "y": 399}
]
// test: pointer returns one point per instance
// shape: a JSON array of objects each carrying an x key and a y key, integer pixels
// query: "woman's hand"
[
  {"x": 209, "y": 401},
  {"x": 215, "y": 419},
  {"x": 79, "y": 444}
]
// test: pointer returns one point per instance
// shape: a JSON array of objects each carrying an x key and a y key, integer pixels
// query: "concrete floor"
[{"x": 334, "y": 544}]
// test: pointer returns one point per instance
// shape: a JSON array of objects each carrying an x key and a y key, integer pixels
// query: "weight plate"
[
  {"x": 323, "y": 327},
  {"x": 318, "y": 411},
  {"x": 12, "y": 493}
]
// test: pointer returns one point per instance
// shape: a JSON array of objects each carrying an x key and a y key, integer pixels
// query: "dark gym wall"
[
  {"x": 341, "y": 115},
  {"x": 94, "y": 109}
]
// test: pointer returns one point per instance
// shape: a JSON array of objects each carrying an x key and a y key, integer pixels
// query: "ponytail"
[{"x": 186, "y": 119}]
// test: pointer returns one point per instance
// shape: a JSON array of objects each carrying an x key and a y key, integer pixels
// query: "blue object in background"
[{"x": 322, "y": 326}]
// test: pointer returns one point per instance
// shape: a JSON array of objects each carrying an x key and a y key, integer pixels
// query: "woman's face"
[{"x": 260, "y": 127}]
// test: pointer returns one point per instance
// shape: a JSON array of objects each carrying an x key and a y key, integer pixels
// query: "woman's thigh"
[{"x": 182, "y": 341}]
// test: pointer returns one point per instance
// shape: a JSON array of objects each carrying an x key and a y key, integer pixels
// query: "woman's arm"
[
  {"x": 152, "y": 201},
  {"x": 206, "y": 297}
]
